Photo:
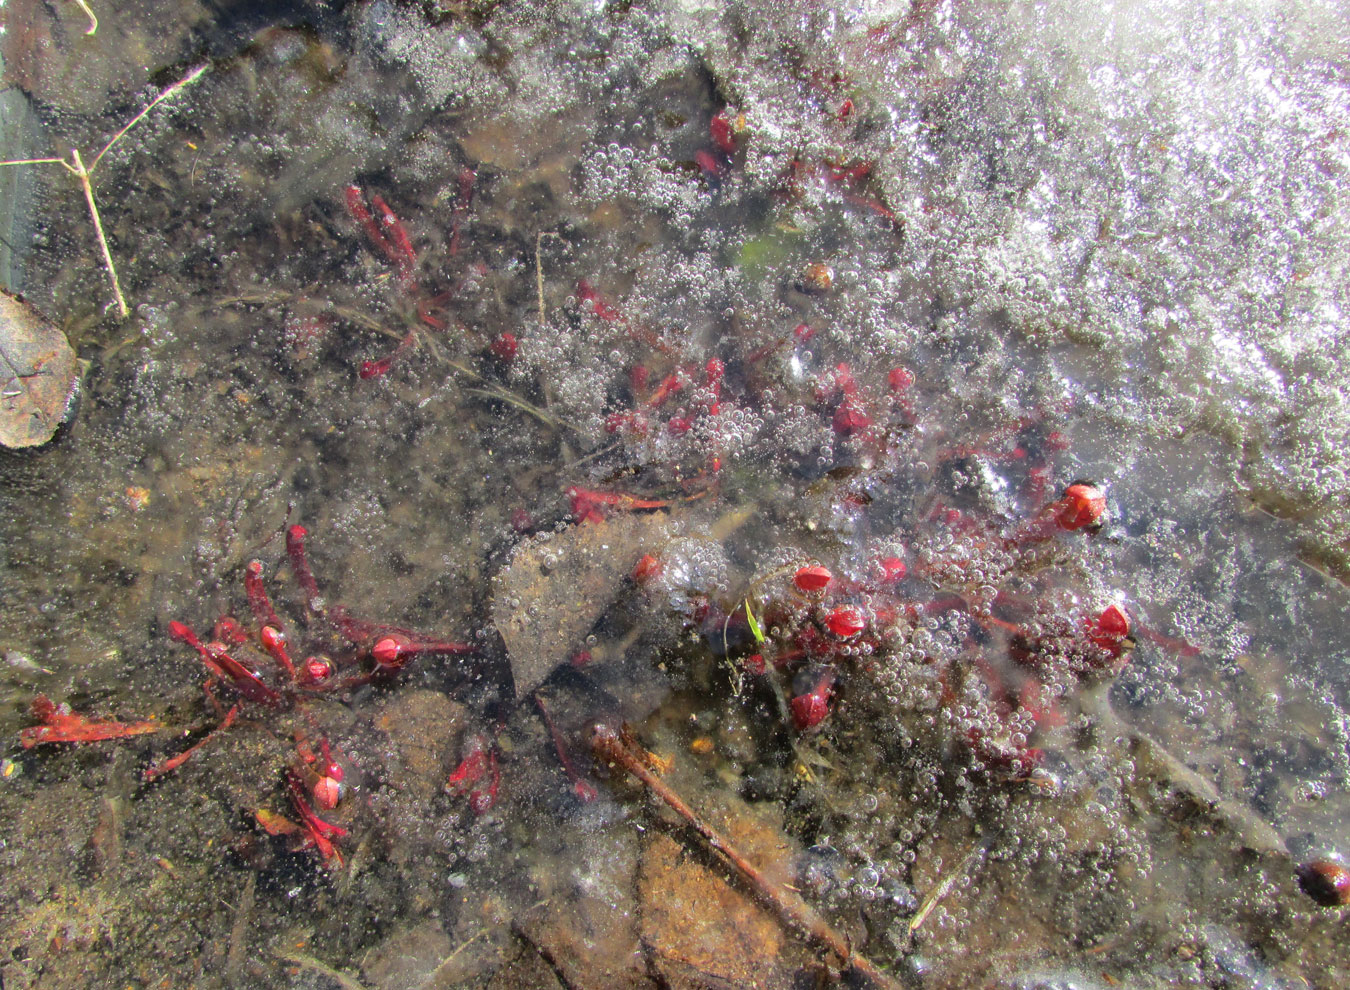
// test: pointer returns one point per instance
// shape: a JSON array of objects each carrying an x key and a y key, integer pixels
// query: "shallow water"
[{"x": 832, "y": 289}]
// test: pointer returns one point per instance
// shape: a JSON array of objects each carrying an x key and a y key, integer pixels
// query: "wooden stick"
[{"x": 791, "y": 908}]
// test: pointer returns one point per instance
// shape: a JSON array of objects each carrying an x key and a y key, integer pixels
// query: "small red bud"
[
  {"x": 389, "y": 652},
  {"x": 754, "y": 663},
  {"x": 845, "y": 621},
  {"x": 809, "y": 709},
  {"x": 809, "y": 579},
  {"x": 1109, "y": 628},
  {"x": 327, "y": 793},
  {"x": 647, "y": 568},
  {"x": 272, "y": 638},
  {"x": 893, "y": 569},
  {"x": 318, "y": 669},
  {"x": 850, "y": 419},
  {"x": 504, "y": 347},
  {"x": 1082, "y": 505},
  {"x": 721, "y": 132},
  {"x": 900, "y": 379}
]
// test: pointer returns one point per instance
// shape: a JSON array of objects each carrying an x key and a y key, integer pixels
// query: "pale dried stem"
[
  {"x": 76, "y": 167},
  {"x": 944, "y": 886},
  {"x": 93, "y": 21},
  {"x": 539, "y": 272},
  {"x": 82, "y": 173},
  {"x": 789, "y": 906},
  {"x": 192, "y": 76},
  {"x": 318, "y": 966}
]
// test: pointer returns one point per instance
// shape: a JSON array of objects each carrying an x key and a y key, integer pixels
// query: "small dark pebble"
[
  {"x": 1325, "y": 882},
  {"x": 766, "y": 784}
]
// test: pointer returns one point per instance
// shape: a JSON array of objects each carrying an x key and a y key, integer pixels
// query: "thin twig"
[
  {"x": 243, "y": 923},
  {"x": 191, "y": 77},
  {"x": 944, "y": 886},
  {"x": 539, "y": 273},
  {"x": 76, "y": 167},
  {"x": 441, "y": 972},
  {"x": 511, "y": 399},
  {"x": 598, "y": 452},
  {"x": 790, "y": 907},
  {"x": 319, "y": 966},
  {"x": 82, "y": 174}
]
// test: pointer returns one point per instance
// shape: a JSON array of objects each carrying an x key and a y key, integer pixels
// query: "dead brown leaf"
[
  {"x": 38, "y": 376},
  {"x": 558, "y": 585}
]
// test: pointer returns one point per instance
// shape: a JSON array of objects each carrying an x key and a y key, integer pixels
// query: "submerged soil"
[{"x": 689, "y": 301}]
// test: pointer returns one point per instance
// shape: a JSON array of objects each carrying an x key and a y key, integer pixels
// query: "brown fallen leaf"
[
  {"x": 38, "y": 375},
  {"x": 557, "y": 585}
]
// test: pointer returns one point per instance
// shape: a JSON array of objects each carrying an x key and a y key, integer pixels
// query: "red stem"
[
  {"x": 274, "y": 642},
  {"x": 174, "y": 762},
  {"x": 257, "y": 596},
  {"x": 224, "y": 666},
  {"x": 584, "y": 790},
  {"x": 380, "y": 368},
  {"x": 357, "y": 208},
  {"x": 394, "y": 650},
  {"x": 295, "y": 550},
  {"x": 402, "y": 255}
]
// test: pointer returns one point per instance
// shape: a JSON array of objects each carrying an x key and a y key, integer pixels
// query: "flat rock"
[
  {"x": 704, "y": 930},
  {"x": 556, "y": 586},
  {"x": 587, "y": 923},
  {"x": 423, "y": 726}
]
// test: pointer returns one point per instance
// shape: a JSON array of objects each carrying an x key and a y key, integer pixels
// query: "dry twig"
[
  {"x": 539, "y": 272},
  {"x": 84, "y": 175},
  {"x": 789, "y": 906}
]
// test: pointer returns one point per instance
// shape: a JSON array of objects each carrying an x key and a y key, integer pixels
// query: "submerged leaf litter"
[{"x": 922, "y": 425}]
